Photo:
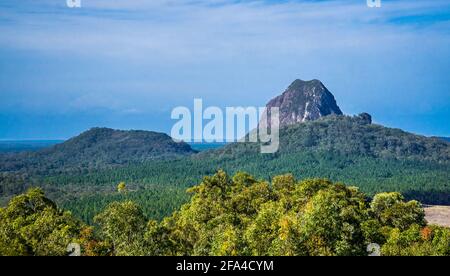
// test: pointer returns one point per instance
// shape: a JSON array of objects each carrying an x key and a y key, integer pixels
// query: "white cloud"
[{"x": 190, "y": 31}]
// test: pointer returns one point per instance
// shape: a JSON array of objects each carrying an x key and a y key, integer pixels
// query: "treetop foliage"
[{"x": 233, "y": 215}]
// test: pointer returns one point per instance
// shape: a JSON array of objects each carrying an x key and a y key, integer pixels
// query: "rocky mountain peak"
[{"x": 304, "y": 101}]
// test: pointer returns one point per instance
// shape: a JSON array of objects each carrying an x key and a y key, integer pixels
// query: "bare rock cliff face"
[{"x": 304, "y": 101}]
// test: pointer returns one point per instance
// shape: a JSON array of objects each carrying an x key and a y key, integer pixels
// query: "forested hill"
[
  {"x": 349, "y": 136},
  {"x": 94, "y": 149}
]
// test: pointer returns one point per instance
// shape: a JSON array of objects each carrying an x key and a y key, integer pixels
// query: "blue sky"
[{"x": 125, "y": 64}]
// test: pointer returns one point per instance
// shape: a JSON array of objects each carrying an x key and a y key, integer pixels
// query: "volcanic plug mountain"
[{"x": 304, "y": 101}]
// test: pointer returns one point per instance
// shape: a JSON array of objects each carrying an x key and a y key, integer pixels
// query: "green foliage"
[
  {"x": 156, "y": 201},
  {"x": 122, "y": 187},
  {"x": 230, "y": 216},
  {"x": 32, "y": 225},
  {"x": 417, "y": 241},
  {"x": 122, "y": 224},
  {"x": 391, "y": 210},
  {"x": 332, "y": 222},
  {"x": 244, "y": 216}
]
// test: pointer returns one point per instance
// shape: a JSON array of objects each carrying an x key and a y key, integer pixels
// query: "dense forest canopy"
[{"x": 237, "y": 215}]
